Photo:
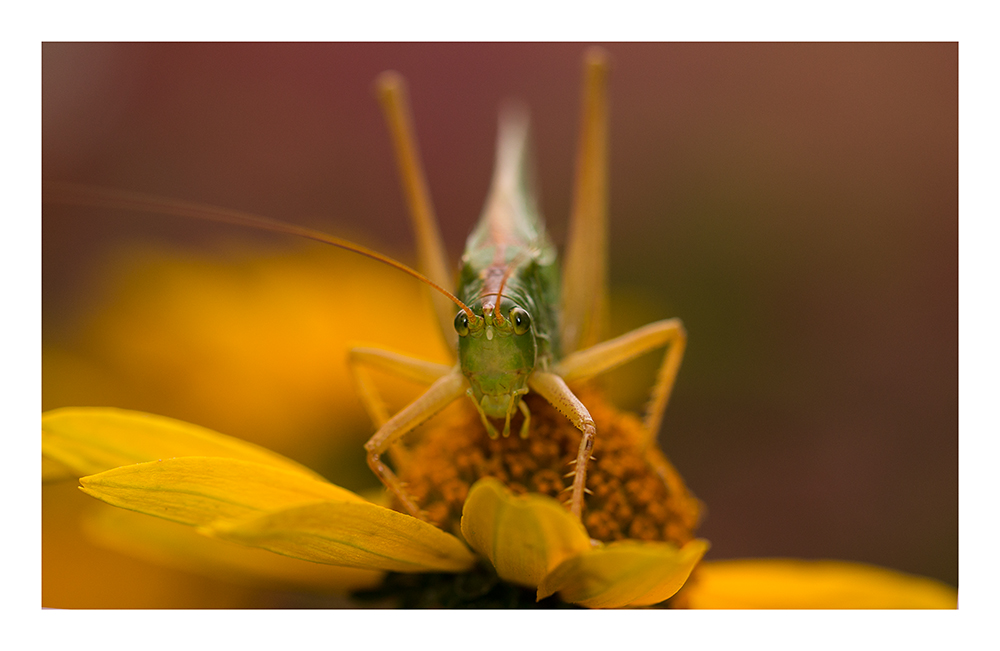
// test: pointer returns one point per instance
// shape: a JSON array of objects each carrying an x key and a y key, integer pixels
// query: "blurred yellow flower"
[
  {"x": 238, "y": 511},
  {"x": 164, "y": 330}
]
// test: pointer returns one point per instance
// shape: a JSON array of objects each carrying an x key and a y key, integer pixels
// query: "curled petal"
[
  {"x": 351, "y": 534},
  {"x": 524, "y": 536},
  {"x": 789, "y": 583},
  {"x": 198, "y": 490},
  {"x": 89, "y": 440},
  {"x": 626, "y": 573}
]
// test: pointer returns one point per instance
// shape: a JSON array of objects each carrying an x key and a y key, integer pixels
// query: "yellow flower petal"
[
  {"x": 181, "y": 547},
  {"x": 789, "y": 583},
  {"x": 198, "y": 490},
  {"x": 90, "y": 440},
  {"x": 351, "y": 534},
  {"x": 626, "y": 573},
  {"x": 524, "y": 536}
]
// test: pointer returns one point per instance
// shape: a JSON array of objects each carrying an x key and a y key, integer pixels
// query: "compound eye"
[
  {"x": 521, "y": 320},
  {"x": 462, "y": 323}
]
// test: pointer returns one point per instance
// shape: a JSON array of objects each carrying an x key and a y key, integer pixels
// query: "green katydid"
[{"x": 518, "y": 329}]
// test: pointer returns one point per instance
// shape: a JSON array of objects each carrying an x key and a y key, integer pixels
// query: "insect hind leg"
[{"x": 603, "y": 357}]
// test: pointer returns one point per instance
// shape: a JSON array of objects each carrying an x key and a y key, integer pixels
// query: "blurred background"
[{"x": 795, "y": 204}]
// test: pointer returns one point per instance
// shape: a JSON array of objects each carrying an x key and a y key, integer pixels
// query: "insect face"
[{"x": 497, "y": 351}]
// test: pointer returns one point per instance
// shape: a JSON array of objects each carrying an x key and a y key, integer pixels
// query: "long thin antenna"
[{"x": 81, "y": 195}]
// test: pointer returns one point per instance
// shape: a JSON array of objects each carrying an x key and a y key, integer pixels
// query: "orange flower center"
[{"x": 635, "y": 491}]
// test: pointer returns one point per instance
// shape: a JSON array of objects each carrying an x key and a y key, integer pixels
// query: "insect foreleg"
[
  {"x": 443, "y": 392},
  {"x": 361, "y": 360},
  {"x": 593, "y": 361},
  {"x": 552, "y": 387}
]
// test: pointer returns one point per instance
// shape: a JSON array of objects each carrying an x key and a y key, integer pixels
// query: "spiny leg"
[
  {"x": 552, "y": 387},
  {"x": 439, "y": 395},
  {"x": 593, "y": 361}
]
